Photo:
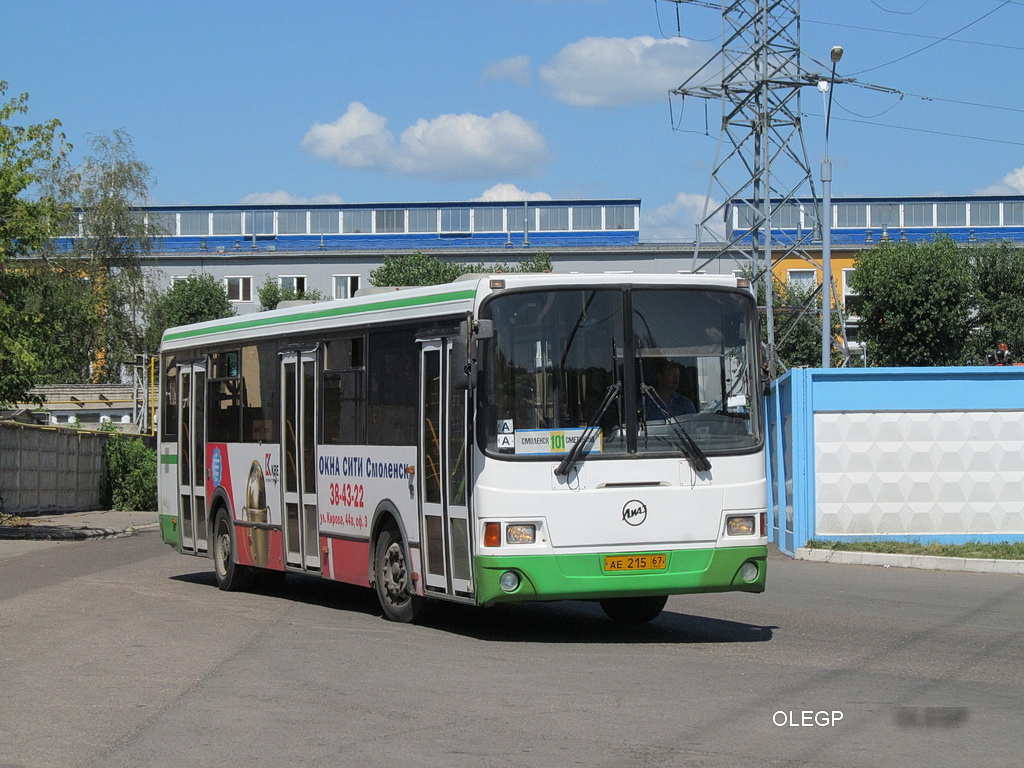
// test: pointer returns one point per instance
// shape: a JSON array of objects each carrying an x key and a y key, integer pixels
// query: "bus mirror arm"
[{"x": 464, "y": 360}]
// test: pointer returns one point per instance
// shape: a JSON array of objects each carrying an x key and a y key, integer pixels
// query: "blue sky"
[{"x": 410, "y": 100}]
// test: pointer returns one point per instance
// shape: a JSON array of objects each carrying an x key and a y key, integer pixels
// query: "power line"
[
  {"x": 921, "y": 130},
  {"x": 940, "y": 40},
  {"x": 917, "y": 34}
]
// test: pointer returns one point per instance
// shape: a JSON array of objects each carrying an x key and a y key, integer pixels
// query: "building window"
[
  {"x": 802, "y": 279},
  {"x": 259, "y": 223},
  {"x": 985, "y": 214},
  {"x": 586, "y": 217},
  {"x": 619, "y": 217},
  {"x": 238, "y": 288},
  {"x": 358, "y": 222},
  {"x": 291, "y": 222},
  {"x": 296, "y": 283},
  {"x": 951, "y": 214},
  {"x": 455, "y": 219},
  {"x": 918, "y": 215},
  {"x": 195, "y": 223},
  {"x": 885, "y": 215},
  {"x": 162, "y": 224},
  {"x": 390, "y": 220},
  {"x": 345, "y": 286},
  {"x": 851, "y": 215},
  {"x": 489, "y": 219},
  {"x": 422, "y": 220},
  {"x": 553, "y": 218},
  {"x": 324, "y": 222},
  {"x": 227, "y": 222},
  {"x": 787, "y": 216},
  {"x": 1013, "y": 214}
]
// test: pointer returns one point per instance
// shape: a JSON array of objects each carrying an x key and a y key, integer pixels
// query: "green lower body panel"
[
  {"x": 169, "y": 531},
  {"x": 583, "y": 577}
]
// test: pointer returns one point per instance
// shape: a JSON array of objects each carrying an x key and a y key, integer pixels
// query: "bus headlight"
[
  {"x": 521, "y": 534},
  {"x": 509, "y": 581},
  {"x": 748, "y": 571},
  {"x": 740, "y": 525}
]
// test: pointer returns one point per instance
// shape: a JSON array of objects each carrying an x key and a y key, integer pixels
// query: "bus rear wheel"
[
  {"x": 231, "y": 576},
  {"x": 393, "y": 580},
  {"x": 634, "y": 610}
]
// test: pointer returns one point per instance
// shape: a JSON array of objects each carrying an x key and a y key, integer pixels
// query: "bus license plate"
[{"x": 655, "y": 562}]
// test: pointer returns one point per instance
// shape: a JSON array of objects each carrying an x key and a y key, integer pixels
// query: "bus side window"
[
  {"x": 344, "y": 392},
  {"x": 259, "y": 393},
  {"x": 393, "y": 391}
]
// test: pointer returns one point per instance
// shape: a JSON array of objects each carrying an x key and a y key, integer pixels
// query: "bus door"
[
  {"x": 444, "y": 507},
  {"x": 298, "y": 459},
  {"x": 192, "y": 456}
]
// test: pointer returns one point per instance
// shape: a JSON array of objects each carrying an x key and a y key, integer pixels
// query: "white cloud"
[
  {"x": 1012, "y": 184},
  {"x": 516, "y": 69},
  {"x": 676, "y": 221},
  {"x": 280, "y": 197},
  {"x": 465, "y": 146},
  {"x": 615, "y": 71},
  {"x": 505, "y": 191}
]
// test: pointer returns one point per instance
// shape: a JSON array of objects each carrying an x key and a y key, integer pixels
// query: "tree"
[
  {"x": 797, "y": 314},
  {"x": 29, "y": 154},
  {"x": 271, "y": 294},
  {"x": 420, "y": 269},
  {"x": 195, "y": 299},
  {"x": 110, "y": 238},
  {"x": 999, "y": 269},
  {"x": 916, "y": 302}
]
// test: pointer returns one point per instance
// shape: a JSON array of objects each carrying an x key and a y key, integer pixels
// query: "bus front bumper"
[{"x": 583, "y": 576}]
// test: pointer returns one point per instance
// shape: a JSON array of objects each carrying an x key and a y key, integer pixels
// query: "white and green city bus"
[{"x": 500, "y": 438}]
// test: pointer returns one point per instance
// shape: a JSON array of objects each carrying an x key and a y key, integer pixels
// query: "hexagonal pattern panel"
[{"x": 929, "y": 472}]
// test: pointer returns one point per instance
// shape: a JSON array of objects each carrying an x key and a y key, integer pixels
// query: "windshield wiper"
[
  {"x": 588, "y": 434},
  {"x": 690, "y": 449}
]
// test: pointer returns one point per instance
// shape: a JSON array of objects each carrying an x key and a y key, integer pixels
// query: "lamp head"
[{"x": 837, "y": 53}]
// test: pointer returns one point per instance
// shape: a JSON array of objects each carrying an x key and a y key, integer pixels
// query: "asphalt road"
[{"x": 120, "y": 652}]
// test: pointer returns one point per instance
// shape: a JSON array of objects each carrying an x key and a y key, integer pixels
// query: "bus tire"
[
  {"x": 634, "y": 610},
  {"x": 392, "y": 578},
  {"x": 231, "y": 576}
]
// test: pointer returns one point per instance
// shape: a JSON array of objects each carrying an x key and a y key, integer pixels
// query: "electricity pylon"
[{"x": 761, "y": 165}]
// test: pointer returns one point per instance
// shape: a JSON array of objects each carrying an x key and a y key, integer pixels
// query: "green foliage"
[
  {"x": 271, "y": 294},
  {"x": 29, "y": 155},
  {"x": 130, "y": 480},
  {"x": 197, "y": 298},
  {"x": 422, "y": 269},
  {"x": 916, "y": 303},
  {"x": 999, "y": 270},
  {"x": 797, "y": 314}
]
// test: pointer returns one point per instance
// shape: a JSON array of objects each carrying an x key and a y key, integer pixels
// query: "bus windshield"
[{"x": 668, "y": 371}]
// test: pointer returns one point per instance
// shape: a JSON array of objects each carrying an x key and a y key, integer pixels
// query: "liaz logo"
[{"x": 634, "y": 512}]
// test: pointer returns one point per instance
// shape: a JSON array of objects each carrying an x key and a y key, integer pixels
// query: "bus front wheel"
[
  {"x": 634, "y": 610},
  {"x": 392, "y": 578},
  {"x": 231, "y": 576}
]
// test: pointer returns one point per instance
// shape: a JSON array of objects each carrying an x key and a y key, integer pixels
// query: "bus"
[{"x": 501, "y": 438}]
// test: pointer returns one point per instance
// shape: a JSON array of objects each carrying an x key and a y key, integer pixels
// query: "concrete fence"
[
  {"x": 43, "y": 469},
  {"x": 914, "y": 454}
]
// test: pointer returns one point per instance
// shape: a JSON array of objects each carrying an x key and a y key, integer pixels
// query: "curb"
[
  {"x": 67, "y": 533},
  {"x": 925, "y": 562}
]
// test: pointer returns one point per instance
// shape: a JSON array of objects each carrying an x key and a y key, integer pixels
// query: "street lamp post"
[{"x": 825, "y": 86}]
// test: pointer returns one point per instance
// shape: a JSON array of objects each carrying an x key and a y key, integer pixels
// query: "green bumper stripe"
[{"x": 561, "y": 577}]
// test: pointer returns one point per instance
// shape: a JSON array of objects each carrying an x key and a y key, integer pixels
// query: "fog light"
[
  {"x": 509, "y": 581},
  {"x": 521, "y": 534},
  {"x": 740, "y": 525},
  {"x": 748, "y": 571}
]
